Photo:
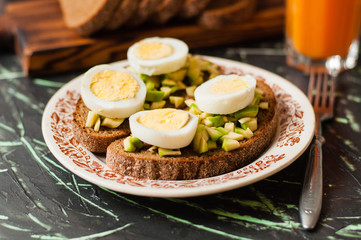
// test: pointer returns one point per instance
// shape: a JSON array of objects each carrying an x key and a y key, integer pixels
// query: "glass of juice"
[{"x": 323, "y": 34}]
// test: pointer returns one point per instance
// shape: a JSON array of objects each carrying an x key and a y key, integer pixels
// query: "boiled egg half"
[
  {"x": 225, "y": 94},
  {"x": 166, "y": 128},
  {"x": 155, "y": 56},
  {"x": 112, "y": 91}
]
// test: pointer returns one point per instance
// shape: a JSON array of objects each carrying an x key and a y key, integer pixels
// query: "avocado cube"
[
  {"x": 167, "y": 91},
  {"x": 136, "y": 142},
  {"x": 194, "y": 109},
  {"x": 181, "y": 85},
  {"x": 112, "y": 122},
  {"x": 189, "y": 102},
  {"x": 168, "y": 82},
  {"x": 128, "y": 146},
  {"x": 263, "y": 105},
  {"x": 229, "y": 126},
  {"x": 211, "y": 144},
  {"x": 190, "y": 90},
  {"x": 157, "y": 105},
  {"x": 178, "y": 75},
  {"x": 217, "y": 121},
  {"x": 222, "y": 130},
  {"x": 252, "y": 124},
  {"x": 249, "y": 111},
  {"x": 213, "y": 133},
  {"x": 146, "y": 106},
  {"x": 246, "y": 133},
  {"x": 97, "y": 125},
  {"x": 233, "y": 135},
  {"x": 230, "y": 144},
  {"x": 154, "y": 79},
  {"x": 176, "y": 100},
  {"x": 168, "y": 152},
  {"x": 154, "y": 96},
  {"x": 91, "y": 119},
  {"x": 194, "y": 72}
]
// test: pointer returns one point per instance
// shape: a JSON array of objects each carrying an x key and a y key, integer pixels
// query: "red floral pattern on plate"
[{"x": 291, "y": 126}]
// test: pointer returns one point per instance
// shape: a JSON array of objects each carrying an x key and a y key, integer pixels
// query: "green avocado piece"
[
  {"x": 168, "y": 152},
  {"x": 249, "y": 111},
  {"x": 128, "y": 146},
  {"x": 230, "y": 144},
  {"x": 214, "y": 134},
  {"x": 154, "y": 79},
  {"x": 211, "y": 144},
  {"x": 136, "y": 142},
  {"x": 217, "y": 121},
  {"x": 154, "y": 96},
  {"x": 178, "y": 75},
  {"x": 194, "y": 72}
]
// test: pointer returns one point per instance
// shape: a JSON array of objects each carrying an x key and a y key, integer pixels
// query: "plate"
[{"x": 294, "y": 134}]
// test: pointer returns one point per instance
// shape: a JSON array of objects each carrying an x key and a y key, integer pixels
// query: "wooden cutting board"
[{"x": 46, "y": 46}]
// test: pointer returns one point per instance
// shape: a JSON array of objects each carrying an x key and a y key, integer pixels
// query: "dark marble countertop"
[{"x": 40, "y": 199}]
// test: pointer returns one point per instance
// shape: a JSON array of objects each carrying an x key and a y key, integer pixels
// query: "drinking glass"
[{"x": 323, "y": 34}]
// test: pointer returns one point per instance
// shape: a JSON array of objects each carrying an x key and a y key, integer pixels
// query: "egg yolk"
[
  {"x": 228, "y": 86},
  {"x": 153, "y": 50},
  {"x": 112, "y": 85},
  {"x": 165, "y": 119}
]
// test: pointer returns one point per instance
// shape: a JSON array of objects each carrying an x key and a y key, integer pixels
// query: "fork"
[{"x": 322, "y": 102}]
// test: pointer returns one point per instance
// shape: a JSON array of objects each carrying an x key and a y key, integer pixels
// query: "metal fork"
[{"x": 322, "y": 102}]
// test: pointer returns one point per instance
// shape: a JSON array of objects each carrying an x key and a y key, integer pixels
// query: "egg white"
[
  {"x": 111, "y": 109},
  {"x": 166, "y": 139},
  {"x": 163, "y": 65},
  {"x": 225, "y": 103}
]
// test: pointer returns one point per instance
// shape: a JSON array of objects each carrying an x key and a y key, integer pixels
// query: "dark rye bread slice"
[
  {"x": 165, "y": 11},
  {"x": 87, "y": 16},
  {"x": 95, "y": 141},
  {"x": 149, "y": 165},
  {"x": 192, "y": 8},
  {"x": 145, "y": 9},
  {"x": 122, "y": 13}
]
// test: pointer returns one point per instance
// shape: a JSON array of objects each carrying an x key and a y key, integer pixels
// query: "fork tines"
[{"x": 321, "y": 89}]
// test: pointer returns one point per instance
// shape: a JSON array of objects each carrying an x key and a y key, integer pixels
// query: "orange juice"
[{"x": 322, "y": 28}]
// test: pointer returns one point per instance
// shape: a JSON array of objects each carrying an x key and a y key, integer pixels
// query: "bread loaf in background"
[{"x": 90, "y": 16}]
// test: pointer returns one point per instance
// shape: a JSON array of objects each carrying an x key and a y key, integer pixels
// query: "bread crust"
[
  {"x": 149, "y": 165},
  {"x": 166, "y": 10},
  {"x": 95, "y": 141},
  {"x": 87, "y": 16},
  {"x": 122, "y": 13}
]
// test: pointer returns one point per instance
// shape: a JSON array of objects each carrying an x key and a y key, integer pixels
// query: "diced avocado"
[
  {"x": 190, "y": 90},
  {"x": 256, "y": 99},
  {"x": 233, "y": 135},
  {"x": 97, "y": 125},
  {"x": 217, "y": 121},
  {"x": 211, "y": 144},
  {"x": 146, "y": 106},
  {"x": 230, "y": 144},
  {"x": 91, "y": 119},
  {"x": 203, "y": 146},
  {"x": 244, "y": 126},
  {"x": 246, "y": 133},
  {"x": 176, "y": 100},
  {"x": 154, "y": 79},
  {"x": 229, "y": 126},
  {"x": 168, "y": 152},
  {"x": 154, "y": 96},
  {"x": 201, "y": 133},
  {"x": 189, "y": 102},
  {"x": 194, "y": 109},
  {"x": 136, "y": 142},
  {"x": 178, "y": 75},
  {"x": 238, "y": 130},
  {"x": 168, "y": 82},
  {"x": 194, "y": 72},
  {"x": 167, "y": 91},
  {"x": 149, "y": 85},
  {"x": 181, "y": 85},
  {"x": 206, "y": 122},
  {"x": 252, "y": 124},
  {"x": 173, "y": 89},
  {"x": 152, "y": 148},
  {"x": 260, "y": 91},
  {"x": 213, "y": 133},
  {"x": 157, "y": 105},
  {"x": 112, "y": 122},
  {"x": 224, "y": 118},
  {"x": 222, "y": 130},
  {"x": 249, "y": 111},
  {"x": 205, "y": 115},
  {"x": 244, "y": 120},
  {"x": 128, "y": 146},
  {"x": 263, "y": 105}
]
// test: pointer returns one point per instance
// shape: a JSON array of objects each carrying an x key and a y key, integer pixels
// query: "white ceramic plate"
[{"x": 294, "y": 134}]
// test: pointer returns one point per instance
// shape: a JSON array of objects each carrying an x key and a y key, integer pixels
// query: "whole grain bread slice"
[
  {"x": 145, "y": 9},
  {"x": 87, "y": 16},
  {"x": 150, "y": 165},
  {"x": 166, "y": 10},
  {"x": 122, "y": 13},
  {"x": 192, "y": 8},
  {"x": 95, "y": 141}
]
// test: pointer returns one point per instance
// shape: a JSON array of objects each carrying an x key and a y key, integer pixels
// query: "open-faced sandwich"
[{"x": 171, "y": 115}]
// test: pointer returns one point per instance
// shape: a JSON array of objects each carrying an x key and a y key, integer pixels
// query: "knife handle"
[{"x": 311, "y": 196}]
